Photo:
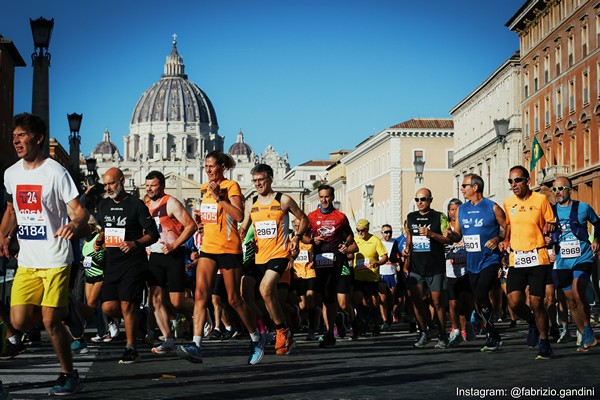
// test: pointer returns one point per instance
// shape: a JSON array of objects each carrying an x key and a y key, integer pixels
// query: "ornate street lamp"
[
  {"x": 74, "y": 140},
  {"x": 41, "y": 29},
  {"x": 501, "y": 128},
  {"x": 419, "y": 164}
]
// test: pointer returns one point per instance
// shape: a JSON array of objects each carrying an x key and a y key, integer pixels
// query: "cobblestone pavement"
[{"x": 381, "y": 367}]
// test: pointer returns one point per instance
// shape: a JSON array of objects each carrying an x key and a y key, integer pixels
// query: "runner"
[
  {"x": 388, "y": 276},
  {"x": 575, "y": 256},
  {"x": 425, "y": 246},
  {"x": 269, "y": 214},
  {"x": 127, "y": 229},
  {"x": 529, "y": 218},
  {"x": 478, "y": 225},
  {"x": 167, "y": 257},
  {"x": 41, "y": 197},
  {"x": 331, "y": 236},
  {"x": 220, "y": 211}
]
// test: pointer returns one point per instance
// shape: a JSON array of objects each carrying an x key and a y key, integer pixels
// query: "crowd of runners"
[{"x": 261, "y": 269}]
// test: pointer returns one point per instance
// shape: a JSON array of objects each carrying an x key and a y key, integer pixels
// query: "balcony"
[{"x": 552, "y": 172}]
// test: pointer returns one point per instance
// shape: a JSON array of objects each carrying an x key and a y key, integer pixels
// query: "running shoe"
[
  {"x": 327, "y": 341},
  {"x": 163, "y": 348},
  {"x": 442, "y": 342},
  {"x": 98, "y": 338},
  {"x": 544, "y": 351},
  {"x": 176, "y": 327},
  {"x": 257, "y": 350},
  {"x": 113, "y": 330},
  {"x": 228, "y": 335},
  {"x": 12, "y": 350},
  {"x": 215, "y": 334},
  {"x": 340, "y": 325},
  {"x": 385, "y": 327},
  {"x": 288, "y": 344},
  {"x": 412, "y": 327},
  {"x": 99, "y": 322},
  {"x": 581, "y": 348},
  {"x": 66, "y": 384},
  {"x": 491, "y": 344},
  {"x": 208, "y": 324},
  {"x": 129, "y": 356},
  {"x": 588, "y": 339},
  {"x": 533, "y": 336},
  {"x": 579, "y": 337},
  {"x": 79, "y": 346},
  {"x": 423, "y": 340},
  {"x": 565, "y": 335},
  {"x": 74, "y": 320},
  {"x": 512, "y": 324},
  {"x": 376, "y": 331},
  {"x": 311, "y": 335},
  {"x": 455, "y": 338},
  {"x": 3, "y": 340},
  {"x": 351, "y": 334},
  {"x": 190, "y": 352}
]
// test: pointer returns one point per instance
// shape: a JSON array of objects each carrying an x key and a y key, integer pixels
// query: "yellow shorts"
[{"x": 48, "y": 287}]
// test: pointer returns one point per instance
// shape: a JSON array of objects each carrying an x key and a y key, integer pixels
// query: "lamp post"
[
  {"x": 419, "y": 168},
  {"x": 41, "y": 29},
  {"x": 501, "y": 128},
  {"x": 74, "y": 139}
]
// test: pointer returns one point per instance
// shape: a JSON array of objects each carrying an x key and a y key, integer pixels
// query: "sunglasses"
[
  {"x": 517, "y": 180},
  {"x": 464, "y": 185},
  {"x": 559, "y": 188},
  {"x": 361, "y": 230},
  {"x": 422, "y": 199},
  {"x": 387, "y": 232}
]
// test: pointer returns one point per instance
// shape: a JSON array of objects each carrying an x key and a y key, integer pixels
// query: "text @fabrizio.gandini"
[{"x": 524, "y": 392}]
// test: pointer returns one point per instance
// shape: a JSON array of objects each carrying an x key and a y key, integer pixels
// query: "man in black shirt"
[{"x": 127, "y": 229}]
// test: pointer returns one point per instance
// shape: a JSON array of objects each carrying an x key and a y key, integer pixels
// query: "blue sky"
[{"x": 308, "y": 77}]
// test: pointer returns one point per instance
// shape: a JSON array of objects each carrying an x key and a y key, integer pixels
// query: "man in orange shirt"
[
  {"x": 269, "y": 212},
  {"x": 529, "y": 218}
]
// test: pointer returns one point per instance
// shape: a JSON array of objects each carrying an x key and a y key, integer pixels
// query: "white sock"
[
  {"x": 255, "y": 336},
  {"x": 14, "y": 339},
  {"x": 198, "y": 340}
]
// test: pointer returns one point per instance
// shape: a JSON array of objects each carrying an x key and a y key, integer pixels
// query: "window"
[
  {"x": 190, "y": 177},
  {"x": 157, "y": 148},
  {"x": 527, "y": 123},
  {"x": 558, "y": 104},
  {"x": 526, "y": 86},
  {"x": 571, "y": 96},
  {"x": 240, "y": 178},
  {"x": 546, "y": 68},
  {"x": 535, "y": 78},
  {"x": 585, "y": 84},
  {"x": 584, "y": 40},
  {"x": 449, "y": 159},
  {"x": 558, "y": 56},
  {"x": 536, "y": 117},
  {"x": 547, "y": 107},
  {"x": 418, "y": 155},
  {"x": 312, "y": 178},
  {"x": 570, "y": 45}
]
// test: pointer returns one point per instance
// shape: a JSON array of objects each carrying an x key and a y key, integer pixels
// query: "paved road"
[{"x": 383, "y": 367}]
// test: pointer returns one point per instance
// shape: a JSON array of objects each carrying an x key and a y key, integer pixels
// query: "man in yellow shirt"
[{"x": 529, "y": 218}]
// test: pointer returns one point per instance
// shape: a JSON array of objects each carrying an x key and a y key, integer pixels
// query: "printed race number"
[
  {"x": 525, "y": 259},
  {"x": 472, "y": 243},
  {"x": 32, "y": 232},
  {"x": 208, "y": 213},
  {"x": 324, "y": 260},
  {"x": 302, "y": 257},
  {"x": 570, "y": 249},
  {"x": 266, "y": 229}
]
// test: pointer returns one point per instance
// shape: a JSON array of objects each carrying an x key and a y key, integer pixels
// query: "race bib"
[
  {"x": 324, "y": 260},
  {"x": 87, "y": 262},
  {"x": 266, "y": 229},
  {"x": 472, "y": 243},
  {"x": 362, "y": 263},
  {"x": 208, "y": 213},
  {"x": 113, "y": 237},
  {"x": 30, "y": 217},
  {"x": 302, "y": 257},
  {"x": 525, "y": 259},
  {"x": 421, "y": 244},
  {"x": 570, "y": 249}
]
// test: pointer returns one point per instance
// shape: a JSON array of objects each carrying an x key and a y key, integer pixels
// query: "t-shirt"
[
  {"x": 478, "y": 225},
  {"x": 389, "y": 268},
  {"x": 220, "y": 229},
  {"x": 39, "y": 199},
  {"x": 125, "y": 221},
  {"x": 333, "y": 228},
  {"x": 169, "y": 228},
  {"x": 271, "y": 230},
  {"x": 427, "y": 255},
  {"x": 573, "y": 251},
  {"x": 369, "y": 252},
  {"x": 527, "y": 219},
  {"x": 303, "y": 263}
]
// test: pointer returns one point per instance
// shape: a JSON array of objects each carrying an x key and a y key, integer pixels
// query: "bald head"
[
  {"x": 423, "y": 199},
  {"x": 113, "y": 183},
  {"x": 423, "y": 192}
]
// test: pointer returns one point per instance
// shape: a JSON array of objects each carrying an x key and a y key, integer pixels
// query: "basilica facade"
[{"x": 173, "y": 126}]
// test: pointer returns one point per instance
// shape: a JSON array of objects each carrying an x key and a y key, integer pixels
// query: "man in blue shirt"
[{"x": 575, "y": 256}]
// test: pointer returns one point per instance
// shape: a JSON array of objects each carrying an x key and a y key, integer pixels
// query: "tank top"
[
  {"x": 169, "y": 228},
  {"x": 220, "y": 229},
  {"x": 271, "y": 230},
  {"x": 478, "y": 225}
]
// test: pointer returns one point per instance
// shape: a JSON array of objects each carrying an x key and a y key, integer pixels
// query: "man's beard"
[{"x": 117, "y": 192}]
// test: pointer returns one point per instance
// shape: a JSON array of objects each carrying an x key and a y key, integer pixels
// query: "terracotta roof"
[
  {"x": 318, "y": 163},
  {"x": 426, "y": 123}
]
